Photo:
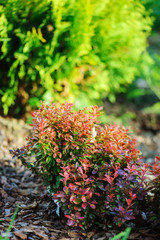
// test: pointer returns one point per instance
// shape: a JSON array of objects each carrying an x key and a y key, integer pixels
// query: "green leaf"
[
  {"x": 58, "y": 178},
  {"x": 11, "y": 223},
  {"x": 123, "y": 235}
]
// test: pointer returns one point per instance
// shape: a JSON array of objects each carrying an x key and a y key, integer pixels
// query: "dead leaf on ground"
[
  {"x": 133, "y": 236},
  {"x": 7, "y": 212},
  {"x": 3, "y": 180},
  {"x": 20, "y": 235},
  {"x": 90, "y": 234},
  {"x": 29, "y": 206},
  {"x": 3, "y": 193},
  {"x": 25, "y": 192},
  {"x": 73, "y": 234},
  {"x": 41, "y": 234}
]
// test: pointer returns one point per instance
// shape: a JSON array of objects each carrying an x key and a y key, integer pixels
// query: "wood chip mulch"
[{"x": 36, "y": 217}]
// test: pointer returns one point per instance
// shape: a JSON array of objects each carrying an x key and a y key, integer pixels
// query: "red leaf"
[
  {"x": 84, "y": 199},
  {"x": 80, "y": 170},
  {"x": 68, "y": 216},
  {"x": 70, "y": 222},
  {"x": 84, "y": 205},
  {"x": 128, "y": 201},
  {"x": 115, "y": 174},
  {"x": 75, "y": 201},
  {"x": 59, "y": 195},
  {"x": 94, "y": 202},
  {"x": 85, "y": 191},
  {"x": 58, "y": 160},
  {"x": 121, "y": 209},
  {"x": 109, "y": 179},
  {"x": 98, "y": 194},
  {"x": 76, "y": 208},
  {"x": 72, "y": 186},
  {"x": 78, "y": 183},
  {"x": 72, "y": 198},
  {"x": 60, "y": 154},
  {"x": 93, "y": 206},
  {"x": 78, "y": 216},
  {"x": 133, "y": 196},
  {"x": 90, "y": 195}
]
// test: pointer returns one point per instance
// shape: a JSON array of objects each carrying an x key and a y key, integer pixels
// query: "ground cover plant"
[
  {"x": 64, "y": 49},
  {"x": 95, "y": 172}
]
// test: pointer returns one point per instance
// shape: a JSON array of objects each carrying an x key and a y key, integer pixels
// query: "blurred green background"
[{"x": 83, "y": 51}]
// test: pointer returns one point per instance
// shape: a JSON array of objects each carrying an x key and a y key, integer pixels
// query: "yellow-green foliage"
[{"x": 77, "y": 50}]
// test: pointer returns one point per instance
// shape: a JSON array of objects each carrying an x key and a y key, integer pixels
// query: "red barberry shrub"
[
  {"x": 106, "y": 184},
  {"x": 59, "y": 136},
  {"x": 95, "y": 172}
]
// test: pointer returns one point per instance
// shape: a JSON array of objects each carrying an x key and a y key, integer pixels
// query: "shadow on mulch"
[{"x": 36, "y": 218}]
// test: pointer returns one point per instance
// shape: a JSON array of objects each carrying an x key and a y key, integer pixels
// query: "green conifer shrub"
[{"x": 80, "y": 51}]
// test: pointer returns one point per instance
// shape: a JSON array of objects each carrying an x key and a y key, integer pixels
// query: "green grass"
[
  {"x": 123, "y": 235},
  {"x": 10, "y": 225}
]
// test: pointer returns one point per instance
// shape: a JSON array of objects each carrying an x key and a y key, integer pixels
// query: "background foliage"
[
  {"x": 154, "y": 7},
  {"x": 147, "y": 97},
  {"x": 80, "y": 51}
]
